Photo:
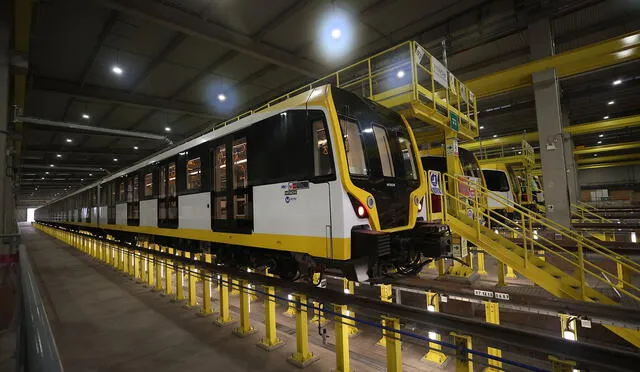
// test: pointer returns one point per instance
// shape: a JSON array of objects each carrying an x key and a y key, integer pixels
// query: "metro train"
[{"x": 324, "y": 179}]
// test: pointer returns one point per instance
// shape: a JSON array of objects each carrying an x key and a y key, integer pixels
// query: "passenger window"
[
  {"x": 240, "y": 200},
  {"x": 162, "y": 190},
  {"x": 193, "y": 174},
  {"x": 353, "y": 147},
  {"x": 220, "y": 181},
  {"x": 129, "y": 189},
  {"x": 321, "y": 156},
  {"x": 172, "y": 204},
  {"x": 121, "y": 195},
  {"x": 172, "y": 179},
  {"x": 136, "y": 188},
  {"x": 148, "y": 184},
  {"x": 408, "y": 159},
  {"x": 382, "y": 141}
]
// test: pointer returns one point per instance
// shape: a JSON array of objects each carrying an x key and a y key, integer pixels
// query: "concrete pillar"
[
  {"x": 552, "y": 153},
  {"x": 6, "y": 197},
  {"x": 570, "y": 162}
]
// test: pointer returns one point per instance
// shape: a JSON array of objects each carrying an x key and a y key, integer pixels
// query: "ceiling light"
[
  {"x": 495, "y": 136},
  {"x": 69, "y": 140},
  {"x": 135, "y": 147},
  {"x": 222, "y": 97},
  {"x": 599, "y": 142},
  {"x": 605, "y": 117},
  {"x": 595, "y": 155},
  {"x": 611, "y": 102},
  {"x": 117, "y": 70},
  {"x": 400, "y": 74},
  {"x": 617, "y": 82},
  {"x": 58, "y": 155},
  {"x": 46, "y": 172},
  {"x": 602, "y": 135},
  {"x": 90, "y": 174},
  {"x": 86, "y": 116},
  {"x": 336, "y": 33},
  {"x": 482, "y": 127},
  {"x": 42, "y": 178},
  {"x": 115, "y": 159},
  {"x": 167, "y": 129},
  {"x": 51, "y": 165}
]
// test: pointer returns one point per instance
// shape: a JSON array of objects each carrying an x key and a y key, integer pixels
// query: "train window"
[
  {"x": 148, "y": 184},
  {"x": 382, "y": 142},
  {"x": 220, "y": 181},
  {"x": 172, "y": 206},
  {"x": 240, "y": 181},
  {"x": 136, "y": 188},
  {"x": 163, "y": 183},
  {"x": 353, "y": 147},
  {"x": 194, "y": 177},
  {"x": 408, "y": 159},
  {"x": 121, "y": 194},
  {"x": 321, "y": 155},
  {"x": 172, "y": 179},
  {"x": 129, "y": 189}
]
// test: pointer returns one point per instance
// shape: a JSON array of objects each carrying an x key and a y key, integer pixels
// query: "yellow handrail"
[
  {"x": 580, "y": 212},
  {"x": 523, "y": 226}
]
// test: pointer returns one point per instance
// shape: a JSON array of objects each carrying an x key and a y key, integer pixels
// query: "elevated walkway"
[
  {"x": 585, "y": 275},
  {"x": 103, "y": 321}
]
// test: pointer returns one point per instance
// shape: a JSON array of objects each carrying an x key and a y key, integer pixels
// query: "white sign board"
[
  {"x": 440, "y": 73},
  {"x": 434, "y": 182}
]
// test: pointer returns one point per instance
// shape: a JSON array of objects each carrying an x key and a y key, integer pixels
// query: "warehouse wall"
[
  {"x": 21, "y": 214},
  {"x": 609, "y": 176}
]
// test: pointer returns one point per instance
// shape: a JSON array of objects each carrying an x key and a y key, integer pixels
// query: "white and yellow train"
[{"x": 323, "y": 179}]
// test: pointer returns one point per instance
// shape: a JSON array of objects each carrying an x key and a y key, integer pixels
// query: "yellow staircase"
[{"x": 575, "y": 275}]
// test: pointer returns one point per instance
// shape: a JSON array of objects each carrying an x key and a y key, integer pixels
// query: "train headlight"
[
  {"x": 370, "y": 202},
  {"x": 361, "y": 212}
]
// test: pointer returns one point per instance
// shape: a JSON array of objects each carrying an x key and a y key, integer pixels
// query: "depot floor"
[{"x": 103, "y": 321}]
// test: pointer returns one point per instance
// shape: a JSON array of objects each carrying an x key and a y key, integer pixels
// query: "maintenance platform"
[{"x": 319, "y": 185}]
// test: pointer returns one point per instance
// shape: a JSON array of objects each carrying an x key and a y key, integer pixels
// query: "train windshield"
[
  {"x": 379, "y": 154},
  {"x": 496, "y": 180}
]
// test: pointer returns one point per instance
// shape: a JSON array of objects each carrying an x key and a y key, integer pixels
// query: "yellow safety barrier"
[
  {"x": 303, "y": 356},
  {"x": 465, "y": 215},
  {"x": 583, "y": 214}
]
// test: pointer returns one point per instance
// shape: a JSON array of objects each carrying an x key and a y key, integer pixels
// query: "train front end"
[{"x": 383, "y": 177}]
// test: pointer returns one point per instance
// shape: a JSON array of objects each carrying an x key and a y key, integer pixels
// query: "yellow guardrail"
[
  {"x": 525, "y": 226},
  {"x": 399, "y": 77},
  {"x": 585, "y": 215}
]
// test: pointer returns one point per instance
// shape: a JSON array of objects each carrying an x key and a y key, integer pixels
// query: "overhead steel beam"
[
  {"x": 88, "y": 151},
  {"x": 607, "y": 148},
  {"x": 113, "y": 95},
  {"x": 195, "y": 26},
  {"x": 88, "y": 128},
  {"x": 620, "y": 49},
  {"x": 153, "y": 65},
  {"x": 575, "y": 130},
  {"x": 104, "y": 33},
  {"x": 63, "y": 167},
  {"x": 609, "y": 165},
  {"x": 608, "y": 159}
]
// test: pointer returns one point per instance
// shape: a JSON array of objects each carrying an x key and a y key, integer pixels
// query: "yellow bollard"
[
  {"x": 510, "y": 273},
  {"x": 303, "y": 356},
  {"x": 481, "y": 265},
  {"x": 179, "y": 284},
  {"x": 435, "y": 354},
  {"x": 126, "y": 253},
  {"x": 386, "y": 295},
  {"x": 150, "y": 276},
  {"x": 160, "y": 263},
  {"x": 463, "y": 357},
  {"x": 138, "y": 267},
  {"x": 342, "y": 340},
  {"x": 224, "y": 318},
  {"x": 245, "y": 328},
  {"x": 560, "y": 365},
  {"x": 235, "y": 288},
  {"x": 192, "y": 299},
  {"x": 394, "y": 350},
  {"x": 349, "y": 288},
  {"x": 206, "y": 308},
  {"x": 270, "y": 341},
  {"x": 168, "y": 275},
  {"x": 492, "y": 315}
]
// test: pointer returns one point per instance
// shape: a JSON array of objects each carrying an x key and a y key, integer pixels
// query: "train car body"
[{"x": 322, "y": 179}]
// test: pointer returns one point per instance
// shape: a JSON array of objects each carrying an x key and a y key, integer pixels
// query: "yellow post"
[
  {"x": 235, "y": 288},
  {"x": 501, "y": 281},
  {"x": 179, "y": 284},
  {"x": 435, "y": 354},
  {"x": 492, "y": 315},
  {"x": 168, "y": 275},
  {"x": 150, "y": 268},
  {"x": 349, "y": 288},
  {"x": 342, "y": 340},
  {"x": 206, "y": 308},
  {"x": 560, "y": 365},
  {"x": 270, "y": 341},
  {"x": 159, "y": 268},
  {"x": 463, "y": 357},
  {"x": 510, "y": 273},
  {"x": 386, "y": 295},
  {"x": 126, "y": 260},
  {"x": 224, "y": 318},
  {"x": 245, "y": 328},
  {"x": 568, "y": 327},
  {"x": 481, "y": 267},
  {"x": 192, "y": 282},
  {"x": 394, "y": 350},
  {"x": 303, "y": 356}
]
